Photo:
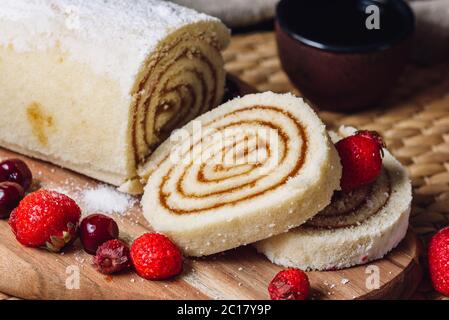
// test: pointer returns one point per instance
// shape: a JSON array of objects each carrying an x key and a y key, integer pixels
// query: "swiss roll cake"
[
  {"x": 356, "y": 227},
  {"x": 250, "y": 169},
  {"x": 95, "y": 86}
]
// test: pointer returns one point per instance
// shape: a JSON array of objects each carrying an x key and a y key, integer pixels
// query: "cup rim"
[{"x": 403, "y": 8}]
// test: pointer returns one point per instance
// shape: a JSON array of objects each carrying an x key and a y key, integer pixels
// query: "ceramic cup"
[{"x": 333, "y": 62}]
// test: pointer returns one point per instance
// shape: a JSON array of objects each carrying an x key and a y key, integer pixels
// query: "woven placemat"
[{"x": 414, "y": 120}]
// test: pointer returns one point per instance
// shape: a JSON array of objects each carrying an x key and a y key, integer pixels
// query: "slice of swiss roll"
[
  {"x": 254, "y": 167},
  {"x": 356, "y": 228}
]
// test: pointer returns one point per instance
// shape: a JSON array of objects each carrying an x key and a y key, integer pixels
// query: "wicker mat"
[{"x": 414, "y": 122}]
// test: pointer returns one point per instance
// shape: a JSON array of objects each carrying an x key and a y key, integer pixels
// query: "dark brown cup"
[{"x": 343, "y": 77}]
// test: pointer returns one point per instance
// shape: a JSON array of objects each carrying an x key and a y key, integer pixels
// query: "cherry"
[
  {"x": 11, "y": 194},
  {"x": 15, "y": 170},
  {"x": 95, "y": 230}
]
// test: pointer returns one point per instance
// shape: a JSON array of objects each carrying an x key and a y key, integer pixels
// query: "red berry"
[
  {"x": 95, "y": 230},
  {"x": 46, "y": 218},
  {"x": 155, "y": 257},
  {"x": 15, "y": 170},
  {"x": 438, "y": 254},
  {"x": 289, "y": 284},
  {"x": 10, "y": 195},
  {"x": 361, "y": 158},
  {"x": 112, "y": 257}
]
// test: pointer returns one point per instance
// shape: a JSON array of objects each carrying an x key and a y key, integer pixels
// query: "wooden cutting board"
[{"x": 237, "y": 274}]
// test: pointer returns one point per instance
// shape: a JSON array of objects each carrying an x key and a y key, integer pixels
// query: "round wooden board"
[{"x": 237, "y": 274}]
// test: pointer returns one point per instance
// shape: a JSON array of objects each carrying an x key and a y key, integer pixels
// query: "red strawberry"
[
  {"x": 112, "y": 257},
  {"x": 155, "y": 257},
  {"x": 438, "y": 254},
  {"x": 361, "y": 158},
  {"x": 289, "y": 284},
  {"x": 46, "y": 218}
]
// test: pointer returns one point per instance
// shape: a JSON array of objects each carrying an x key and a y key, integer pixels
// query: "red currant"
[
  {"x": 95, "y": 230},
  {"x": 10, "y": 195},
  {"x": 15, "y": 170}
]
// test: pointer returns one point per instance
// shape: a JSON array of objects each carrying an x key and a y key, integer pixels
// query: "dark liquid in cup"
[{"x": 343, "y": 22}]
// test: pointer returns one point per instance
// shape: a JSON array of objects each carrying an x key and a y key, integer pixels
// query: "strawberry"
[
  {"x": 155, "y": 257},
  {"x": 361, "y": 157},
  {"x": 46, "y": 219},
  {"x": 438, "y": 254},
  {"x": 289, "y": 284},
  {"x": 112, "y": 257}
]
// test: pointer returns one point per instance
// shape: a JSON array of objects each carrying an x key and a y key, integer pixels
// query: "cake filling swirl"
[
  {"x": 355, "y": 207},
  {"x": 240, "y": 155},
  {"x": 184, "y": 80}
]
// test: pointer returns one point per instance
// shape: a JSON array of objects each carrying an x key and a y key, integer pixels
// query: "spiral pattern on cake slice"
[
  {"x": 353, "y": 208},
  {"x": 356, "y": 228},
  {"x": 254, "y": 167},
  {"x": 182, "y": 80}
]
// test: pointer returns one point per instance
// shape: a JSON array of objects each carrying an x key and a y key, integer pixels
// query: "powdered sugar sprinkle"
[
  {"x": 102, "y": 198},
  {"x": 106, "y": 199}
]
